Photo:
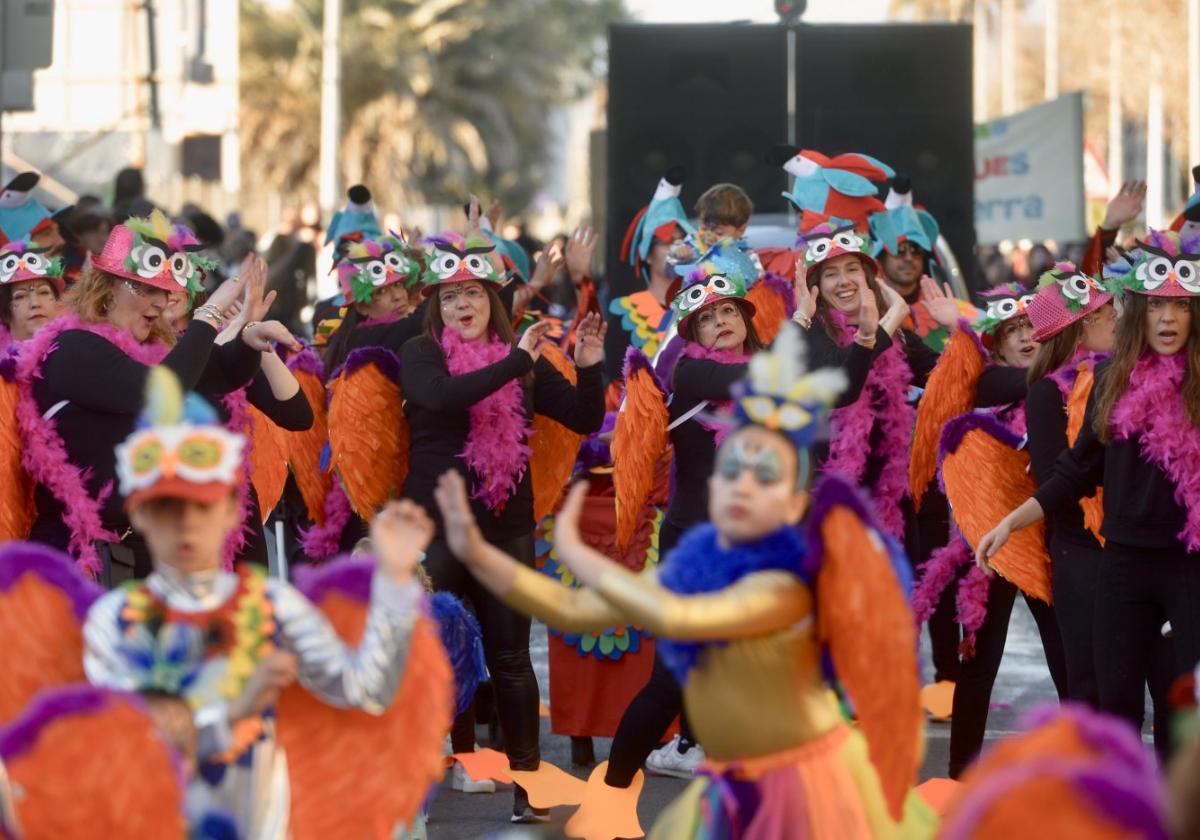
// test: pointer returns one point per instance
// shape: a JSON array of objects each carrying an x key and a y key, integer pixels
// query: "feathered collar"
[
  {"x": 1066, "y": 375},
  {"x": 698, "y": 564},
  {"x": 695, "y": 350}
]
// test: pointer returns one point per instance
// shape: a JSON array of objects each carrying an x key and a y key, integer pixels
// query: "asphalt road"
[{"x": 1023, "y": 682}]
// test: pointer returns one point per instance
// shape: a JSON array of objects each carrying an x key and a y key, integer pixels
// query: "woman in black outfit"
[
  {"x": 1140, "y": 441},
  {"x": 86, "y": 375},
  {"x": 471, "y": 391}
]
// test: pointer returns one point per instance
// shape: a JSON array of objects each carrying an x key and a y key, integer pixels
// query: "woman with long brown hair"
[
  {"x": 1140, "y": 442},
  {"x": 471, "y": 390},
  {"x": 82, "y": 380}
]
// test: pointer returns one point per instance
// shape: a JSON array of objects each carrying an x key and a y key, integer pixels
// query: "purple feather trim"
[
  {"x": 954, "y": 432},
  {"x": 1066, "y": 376},
  {"x": 964, "y": 326},
  {"x": 54, "y": 567},
  {"x": 8, "y": 367},
  {"x": 1108, "y": 734},
  {"x": 344, "y": 576},
  {"x": 937, "y": 573},
  {"x": 306, "y": 361},
  {"x": 321, "y": 542},
  {"x": 48, "y": 705},
  {"x": 636, "y": 360},
  {"x": 384, "y": 359},
  {"x": 781, "y": 286}
]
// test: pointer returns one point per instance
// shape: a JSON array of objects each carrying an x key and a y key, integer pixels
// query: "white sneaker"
[
  {"x": 459, "y": 780},
  {"x": 669, "y": 761}
]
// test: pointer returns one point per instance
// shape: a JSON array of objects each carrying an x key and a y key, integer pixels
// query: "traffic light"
[{"x": 790, "y": 11}]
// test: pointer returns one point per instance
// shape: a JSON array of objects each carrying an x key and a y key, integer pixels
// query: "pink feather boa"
[
  {"x": 972, "y": 608},
  {"x": 238, "y": 406},
  {"x": 883, "y": 401},
  {"x": 45, "y": 455},
  {"x": 694, "y": 350},
  {"x": 1153, "y": 410},
  {"x": 496, "y": 449},
  {"x": 937, "y": 573},
  {"x": 321, "y": 542}
]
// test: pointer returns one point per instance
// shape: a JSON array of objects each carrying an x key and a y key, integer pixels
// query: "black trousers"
[
  {"x": 1075, "y": 569},
  {"x": 505, "y": 647},
  {"x": 925, "y": 532},
  {"x": 653, "y": 708},
  {"x": 973, "y": 692},
  {"x": 1137, "y": 590}
]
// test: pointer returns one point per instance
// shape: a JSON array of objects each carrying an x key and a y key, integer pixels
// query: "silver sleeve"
[{"x": 364, "y": 677}]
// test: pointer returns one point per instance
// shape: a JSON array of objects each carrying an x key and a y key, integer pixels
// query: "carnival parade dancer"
[
  {"x": 471, "y": 390},
  {"x": 742, "y": 608},
  {"x": 31, "y": 288},
  {"x": 1140, "y": 442}
]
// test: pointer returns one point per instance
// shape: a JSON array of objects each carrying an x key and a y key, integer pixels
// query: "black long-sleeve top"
[
  {"x": 293, "y": 414},
  {"x": 1046, "y": 421},
  {"x": 437, "y": 405},
  {"x": 104, "y": 390},
  {"x": 1139, "y": 498},
  {"x": 695, "y": 381}
]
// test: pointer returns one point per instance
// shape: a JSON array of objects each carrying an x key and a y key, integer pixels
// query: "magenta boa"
[
  {"x": 238, "y": 406},
  {"x": 321, "y": 542},
  {"x": 971, "y": 605},
  {"x": 496, "y": 449},
  {"x": 45, "y": 456},
  {"x": 1152, "y": 409},
  {"x": 937, "y": 573},
  {"x": 694, "y": 350},
  {"x": 883, "y": 401},
  {"x": 1066, "y": 375}
]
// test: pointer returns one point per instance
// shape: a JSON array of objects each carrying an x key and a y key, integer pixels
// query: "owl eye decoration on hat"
[
  {"x": 1003, "y": 304},
  {"x": 23, "y": 260},
  {"x": 1162, "y": 265},
  {"x": 781, "y": 394},
  {"x": 723, "y": 271},
  {"x": 156, "y": 252},
  {"x": 825, "y": 240},
  {"x": 659, "y": 220},
  {"x": 1065, "y": 295},
  {"x": 454, "y": 258},
  {"x": 179, "y": 450},
  {"x": 368, "y": 265}
]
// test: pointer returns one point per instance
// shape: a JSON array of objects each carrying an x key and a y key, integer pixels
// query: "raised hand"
[
  {"x": 589, "y": 340},
  {"x": 400, "y": 533},
  {"x": 545, "y": 267},
  {"x": 473, "y": 225},
  {"x": 257, "y": 301},
  {"x": 806, "y": 301},
  {"x": 580, "y": 248},
  {"x": 868, "y": 309},
  {"x": 494, "y": 214},
  {"x": 1125, "y": 205},
  {"x": 225, "y": 295},
  {"x": 531, "y": 340},
  {"x": 262, "y": 336},
  {"x": 940, "y": 302}
]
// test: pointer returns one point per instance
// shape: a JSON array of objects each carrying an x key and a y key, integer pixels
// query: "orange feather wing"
[
  {"x": 949, "y": 392},
  {"x": 368, "y": 433},
  {"x": 555, "y": 447},
  {"x": 1093, "y": 506},
  {"x": 863, "y": 615},
  {"x": 986, "y": 476},
  {"x": 304, "y": 448},
  {"x": 60, "y": 756},
  {"x": 268, "y": 461},
  {"x": 16, "y": 488},
  {"x": 353, "y": 774},
  {"x": 774, "y": 302},
  {"x": 43, "y": 603},
  {"x": 639, "y": 438}
]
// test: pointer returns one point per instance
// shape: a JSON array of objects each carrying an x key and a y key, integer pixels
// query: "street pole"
[
  {"x": 1155, "y": 185},
  {"x": 1051, "y": 48},
  {"x": 1193, "y": 90},
  {"x": 1008, "y": 56},
  {"x": 1116, "y": 121},
  {"x": 331, "y": 106}
]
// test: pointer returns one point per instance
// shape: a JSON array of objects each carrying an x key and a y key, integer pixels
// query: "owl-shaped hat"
[
  {"x": 451, "y": 257},
  {"x": 825, "y": 240},
  {"x": 901, "y": 221},
  {"x": 839, "y": 187},
  {"x": 23, "y": 261},
  {"x": 1004, "y": 303},
  {"x": 156, "y": 252},
  {"x": 1065, "y": 295},
  {"x": 1161, "y": 265},
  {"x": 658, "y": 220},
  {"x": 179, "y": 450},
  {"x": 723, "y": 271},
  {"x": 368, "y": 265}
]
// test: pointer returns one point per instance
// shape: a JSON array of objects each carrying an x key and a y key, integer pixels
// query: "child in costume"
[
  {"x": 744, "y": 608},
  {"x": 1140, "y": 442}
]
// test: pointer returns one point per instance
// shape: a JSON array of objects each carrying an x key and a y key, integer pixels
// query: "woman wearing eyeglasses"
[
  {"x": 82, "y": 380},
  {"x": 471, "y": 390}
]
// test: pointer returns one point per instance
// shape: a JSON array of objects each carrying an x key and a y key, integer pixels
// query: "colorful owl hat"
[
  {"x": 826, "y": 239},
  {"x": 724, "y": 271},
  {"x": 838, "y": 187},
  {"x": 1164, "y": 264},
  {"x": 901, "y": 221},
  {"x": 156, "y": 252},
  {"x": 1065, "y": 295},
  {"x": 368, "y": 264},
  {"x": 23, "y": 261},
  {"x": 179, "y": 451},
  {"x": 1003, "y": 304},
  {"x": 451, "y": 257},
  {"x": 656, "y": 221}
]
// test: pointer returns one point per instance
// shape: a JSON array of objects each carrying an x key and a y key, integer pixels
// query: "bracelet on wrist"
[
  {"x": 802, "y": 319},
  {"x": 210, "y": 312},
  {"x": 867, "y": 341},
  {"x": 248, "y": 325}
]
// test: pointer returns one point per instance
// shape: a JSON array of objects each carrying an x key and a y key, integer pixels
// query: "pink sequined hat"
[
  {"x": 1065, "y": 295},
  {"x": 156, "y": 252}
]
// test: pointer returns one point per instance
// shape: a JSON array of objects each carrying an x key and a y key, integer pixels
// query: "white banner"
[{"x": 1029, "y": 174}]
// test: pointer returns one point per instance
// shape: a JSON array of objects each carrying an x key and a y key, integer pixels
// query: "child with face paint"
[
  {"x": 1139, "y": 441},
  {"x": 742, "y": 608}
]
